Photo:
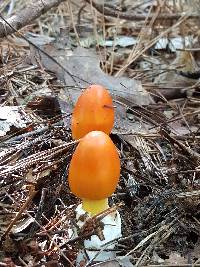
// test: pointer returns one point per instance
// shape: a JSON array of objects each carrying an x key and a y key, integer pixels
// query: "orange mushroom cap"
[
  {"x": 93, "y": 111},
  {"x": 95, "y": 167}
]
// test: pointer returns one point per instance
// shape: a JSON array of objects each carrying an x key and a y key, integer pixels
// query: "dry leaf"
[{"x": 82, "y": 67}]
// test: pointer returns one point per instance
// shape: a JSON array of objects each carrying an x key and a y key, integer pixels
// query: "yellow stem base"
[{"x": 95, "y": 206}]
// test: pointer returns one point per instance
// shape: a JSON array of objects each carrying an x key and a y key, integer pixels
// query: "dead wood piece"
[
  {"x": 26, "y": 16},
  {"x": 138, "y": 17}
]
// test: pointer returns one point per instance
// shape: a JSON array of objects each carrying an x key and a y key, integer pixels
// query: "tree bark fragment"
[{"x": 25, "y": 16}]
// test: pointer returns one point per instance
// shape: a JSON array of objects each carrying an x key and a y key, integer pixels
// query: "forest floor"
[{"x": 147, "y": 53}]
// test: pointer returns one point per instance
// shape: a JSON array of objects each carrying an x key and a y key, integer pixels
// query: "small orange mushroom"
[
  {"x": 94, "y": 171},
  {"x": 93, "y": 111}
]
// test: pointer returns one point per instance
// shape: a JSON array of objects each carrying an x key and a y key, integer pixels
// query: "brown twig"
[
  {"x": 32, "y": 193},
  {"x": 130, "y": 16}
]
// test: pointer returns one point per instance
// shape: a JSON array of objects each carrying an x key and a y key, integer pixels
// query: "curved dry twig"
[{"x": 134, "y": 16}]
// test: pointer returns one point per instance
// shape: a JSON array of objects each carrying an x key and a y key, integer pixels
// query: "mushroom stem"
[{"x": 95, "y": 206}]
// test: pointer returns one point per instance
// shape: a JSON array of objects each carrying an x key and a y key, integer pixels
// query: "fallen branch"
[
  {"x": 26, "y": 16},
  {"x": 138, "y": 17}
]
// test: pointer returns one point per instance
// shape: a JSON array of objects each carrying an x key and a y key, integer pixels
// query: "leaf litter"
[{"x": 158, "y": 140}]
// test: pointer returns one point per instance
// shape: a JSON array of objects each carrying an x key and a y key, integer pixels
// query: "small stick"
[{"x": 32, "y": 193}]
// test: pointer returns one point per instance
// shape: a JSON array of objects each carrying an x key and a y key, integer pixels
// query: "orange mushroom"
[
  {"x": 93, "y": 111},
  {"x": 94, "y": 171}
]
